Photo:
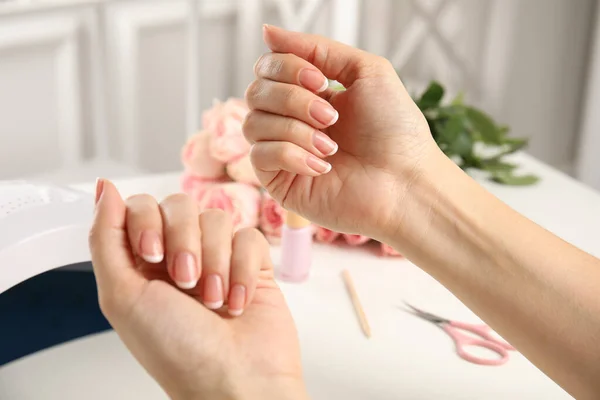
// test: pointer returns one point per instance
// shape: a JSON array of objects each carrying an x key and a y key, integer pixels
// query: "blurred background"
[{"x": 114, "y": 87}]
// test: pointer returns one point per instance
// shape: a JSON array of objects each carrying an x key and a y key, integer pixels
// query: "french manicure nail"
[
  {"x": 185, "y": 272},
  {"x": 318, "y": 165},
  {"x": 323, "y": 112},
  {"x": 313, "y": 80},
  {"x": 99, "y": 189},
  {"x": 237, "y": 300},
  {"x": 213, "y": 292},
  {"x": 324, "y": 144},
  {"x": 151, "y": 248}
]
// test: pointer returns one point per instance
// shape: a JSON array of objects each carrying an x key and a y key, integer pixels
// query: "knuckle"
[
  {"x": 216, "y": 217},
  {"x": 274, "y": 68},
  {"x": 258, "y": 65},
  {"x": 178, "y": 199},
  {"x": 255, "y": 154},
  {"x": 140, "y": 198},
  {"x": 284, "y": 152},
  {"x": 253, "y": 91},
  {"x": 383, "y": 62},
  {"x": 251, "y": 235},
  {"x": 292, "y": 127},
  {"x": 269, "y": 66},
  {"x": 248, "y": 125},
  {"x": 249, "y": 93},
  {"x": 289, "y": 97},
  {"x": 144, "y": 201}
]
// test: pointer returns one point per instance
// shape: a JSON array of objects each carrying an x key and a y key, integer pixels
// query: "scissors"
[{"x": 486, "y": 338}]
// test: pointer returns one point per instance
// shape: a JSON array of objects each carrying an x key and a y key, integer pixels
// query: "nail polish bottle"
[{"x": 296, "y": 248}]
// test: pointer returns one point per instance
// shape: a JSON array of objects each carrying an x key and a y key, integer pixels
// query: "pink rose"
[
  {"x": 238, "y": 199},
  {"x": 196, "y": 186},
  {"x": 325, "y": 235},
  {"x": 271, "y": 218},
  {"x": 356, "y": 240},
  {"x": 197, "y": 159},
  {"x": 224, "y": 122},
  {"x": 387, "y": 250},
  {"x": 241, "y": 170}
]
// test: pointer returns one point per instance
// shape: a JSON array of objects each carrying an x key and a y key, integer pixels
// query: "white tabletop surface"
[{"x": 406, "y": 358}]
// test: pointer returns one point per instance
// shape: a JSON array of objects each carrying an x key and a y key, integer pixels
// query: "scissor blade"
[{"x": 425, "y": 315}]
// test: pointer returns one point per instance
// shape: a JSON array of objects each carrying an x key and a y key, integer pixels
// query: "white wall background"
[{"x": 102, "y": 87}]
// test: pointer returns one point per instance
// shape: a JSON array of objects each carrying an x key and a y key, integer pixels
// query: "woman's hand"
[
  {"x": 228, "y": 333},
  {"x": 342, "y": 159}
]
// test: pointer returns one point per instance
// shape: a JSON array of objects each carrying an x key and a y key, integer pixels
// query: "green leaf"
[
  {"x": 462, "y": 145},
  {"x": 495, "y": 165},
  {"x": 336, "y": 86},
  {"x": 511, "y": 145},
  {"x": 485, "y": 127},
  {"x": 507, "y": 178},
  {"x": 459, "y": 100},
  {"x": 432, "y": 97},
  {"x": 472, "y": 161},
  {"x": 515, "y": 144}
]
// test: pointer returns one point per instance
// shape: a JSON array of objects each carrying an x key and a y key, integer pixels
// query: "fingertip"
[
  {"x": 110, "y": 208},
  {"x": 99, "y": 189},
  {"x": 317, "y": 165},
  {"x": 153, "y": 259},
  {"x": 267, "y": 29},
  {"x": 186, "y": 285},
  {"x": 237, "y": 300},
  {"x": 213, "y": 305},
  {"x": 235, "y": 313},
  {"x": 324, "y": 87}
]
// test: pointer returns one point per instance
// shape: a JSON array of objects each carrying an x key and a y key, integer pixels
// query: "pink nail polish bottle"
[{"x": 296, "y": 248}]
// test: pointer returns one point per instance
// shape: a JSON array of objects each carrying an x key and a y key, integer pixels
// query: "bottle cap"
[{"x": 295, "y": 221}]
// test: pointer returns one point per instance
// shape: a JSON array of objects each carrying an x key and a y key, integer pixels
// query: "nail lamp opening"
[{"x": 42, "y": 227}]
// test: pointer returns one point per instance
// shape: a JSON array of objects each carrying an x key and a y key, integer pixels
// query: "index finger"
[
  {"x": 336, "y": 60},
  {"x": 289, "y": 68}
]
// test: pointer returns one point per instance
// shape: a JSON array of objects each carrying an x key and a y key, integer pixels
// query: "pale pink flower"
[
  {"x": 388, "y": 251},
  {"x": 325, "y": 235},
  {"x": 197, "y": 160},
  {"x": 272, "y": 217},
  {"x": 356, "y": 240},
  {"x": 196, "y": 186},
  {"x": 241, "y": 170},
  {"x": 224, "y": 122},
  {"x": 239, "y": 200}
]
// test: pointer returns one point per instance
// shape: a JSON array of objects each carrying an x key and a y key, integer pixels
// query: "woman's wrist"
[
  {"x": 443, "y": 208},
  {"x": 267, "y": 388}
]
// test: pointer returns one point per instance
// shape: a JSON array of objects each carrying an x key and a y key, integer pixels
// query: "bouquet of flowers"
[{"x": 218, "y": 174}]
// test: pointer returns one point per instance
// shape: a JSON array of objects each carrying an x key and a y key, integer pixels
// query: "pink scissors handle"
[{"x": 487, "y": 341}]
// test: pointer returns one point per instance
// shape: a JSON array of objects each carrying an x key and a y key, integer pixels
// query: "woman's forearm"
[{"x": 537, "y": 291}]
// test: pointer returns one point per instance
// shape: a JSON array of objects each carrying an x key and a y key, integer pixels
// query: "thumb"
[
  {"x": 114, "y": 266},
  {"x": 335, "y": 60}
]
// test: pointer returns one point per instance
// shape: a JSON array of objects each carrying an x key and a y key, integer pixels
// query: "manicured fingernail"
[
  {"x": 324, "y": 144},
  {"x": 237, "y": 300},
  {"x": 213, "y": 292},
  {"x": 151, "y": 248},
  {"x": 99, "y": 189},
  {"x": 323, "y": 112},
  {"x": 318, "y": 165},
  {"x": 313, "y": 80},
  {"x": 185, "y": 271}
]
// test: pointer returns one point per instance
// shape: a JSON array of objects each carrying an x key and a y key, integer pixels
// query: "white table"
[{"x": 406, "y": 358}]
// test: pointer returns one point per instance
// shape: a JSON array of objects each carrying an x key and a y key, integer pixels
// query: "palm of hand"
[
  {"x": 164, "y": 329},
  {"x": 378, "y": 142}
]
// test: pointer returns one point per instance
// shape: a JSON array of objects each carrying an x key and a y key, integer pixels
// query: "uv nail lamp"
[{"x": 42, "y": 227}]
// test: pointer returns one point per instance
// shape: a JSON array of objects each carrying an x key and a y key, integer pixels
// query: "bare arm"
[{"x": 539, "y": 292}]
